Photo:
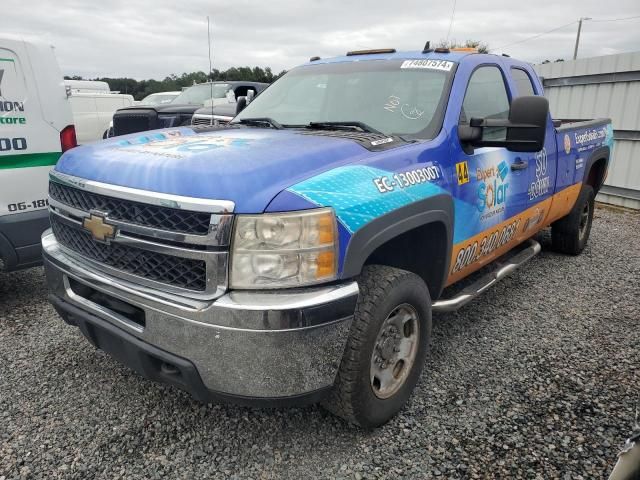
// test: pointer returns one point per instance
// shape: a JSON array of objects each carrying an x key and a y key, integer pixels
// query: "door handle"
[{"x": 519, "y": 164}]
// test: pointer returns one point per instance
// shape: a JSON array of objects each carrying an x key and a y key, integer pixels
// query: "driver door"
[{"x": 491, "y": 183}]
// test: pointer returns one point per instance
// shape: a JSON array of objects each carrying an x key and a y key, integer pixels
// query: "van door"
[
  {"x": 34, "y": 117},
  {"x": 25, "y": 153}
]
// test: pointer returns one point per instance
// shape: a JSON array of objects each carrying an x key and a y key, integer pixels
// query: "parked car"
[
  {"x": 93, "y": 113},
  {"x": 214, "y": 115},
  {"x": 222, "y": 113},
  {"x": 298, "y": 253},
  {"x": 179, "y": 112},
  {"x": 35, "y": 128},
  {"x": 160, "y": 98}
]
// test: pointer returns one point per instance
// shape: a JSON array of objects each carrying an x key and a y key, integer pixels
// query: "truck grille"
[
  {"x": 165, "y": 218},
  {"x": 202, "y": 121},
  {"x": 169, "y": 250},
  {"x": 178, "y": 272},
  {"x": 132, "y": 121}
]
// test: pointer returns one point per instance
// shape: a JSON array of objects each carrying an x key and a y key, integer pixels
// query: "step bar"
[{"x": 531, "y": 249}]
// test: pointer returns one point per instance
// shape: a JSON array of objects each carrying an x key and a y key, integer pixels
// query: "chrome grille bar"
[{"x": 188, "y": 264}]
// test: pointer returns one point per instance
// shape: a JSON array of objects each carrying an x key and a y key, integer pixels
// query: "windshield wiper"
[
  {"x": 406, "y": 139},
  {"x": 261, "y": 121},
  {"x": 346, "y": 124}
]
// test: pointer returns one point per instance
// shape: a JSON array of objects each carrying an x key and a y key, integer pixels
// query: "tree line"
[{"x": 141, "y": 88}]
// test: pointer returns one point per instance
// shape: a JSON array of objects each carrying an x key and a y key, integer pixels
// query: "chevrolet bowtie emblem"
[{"x": 99, "y": 228}]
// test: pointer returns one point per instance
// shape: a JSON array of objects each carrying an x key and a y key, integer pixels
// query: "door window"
[{"x": 486, "y": 97}]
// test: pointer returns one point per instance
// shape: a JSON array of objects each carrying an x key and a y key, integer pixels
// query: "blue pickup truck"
[{"x": 298, "y": 253}]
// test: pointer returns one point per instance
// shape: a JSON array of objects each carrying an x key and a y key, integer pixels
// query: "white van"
[
  {"x": 93, "y": 112},
  {"x": 36, "y": 126}
]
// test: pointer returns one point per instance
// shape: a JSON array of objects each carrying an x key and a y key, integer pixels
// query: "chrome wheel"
[
  {"x": 584, "y": 221},
  {"x": 395, "y": 351}
]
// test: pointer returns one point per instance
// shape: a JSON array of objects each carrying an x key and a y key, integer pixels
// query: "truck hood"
[
  {"x": 168, "y": 108},
  {"x": 248, "y": 166},
  {"x": 226, "y": 109}
]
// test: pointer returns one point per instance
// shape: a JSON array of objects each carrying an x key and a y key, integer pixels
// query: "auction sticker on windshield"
[{"x": 443, "y": 65}]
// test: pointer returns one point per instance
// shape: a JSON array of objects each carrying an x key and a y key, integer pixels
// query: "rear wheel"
[
  {"x": 386, "y": 349},
  {"x": 571, "y": 233}
]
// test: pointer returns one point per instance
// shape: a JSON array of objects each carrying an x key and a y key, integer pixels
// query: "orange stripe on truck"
[{"x": 481, "y": 249}]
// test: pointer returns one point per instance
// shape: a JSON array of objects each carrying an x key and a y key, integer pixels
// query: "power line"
[
  {"x": 453, "y": 14},
  {"x": 616, "y": 19},
  {"x": 535, "y": 36},
  {"x": 559, "y": 28}
]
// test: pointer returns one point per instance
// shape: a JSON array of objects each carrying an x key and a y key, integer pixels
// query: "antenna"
[
  {"x": 210, "y": 65},
  {"x": 453, "y": 16}
]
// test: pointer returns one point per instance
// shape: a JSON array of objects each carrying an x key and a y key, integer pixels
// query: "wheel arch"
[
  {"x": 596, "y": 168},
  {"x": 417, "y": 237}
]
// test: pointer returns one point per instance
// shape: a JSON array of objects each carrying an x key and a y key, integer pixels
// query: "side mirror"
[
  {"x": 241, "y": 104},
  {"x": 250, "y": 95},
  {"x": 525, "y": 128}
]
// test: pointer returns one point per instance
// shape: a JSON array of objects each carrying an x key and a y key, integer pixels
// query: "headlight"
[
  {"x": 284, "y": 249},
  {"x": 166, "y": 121}
]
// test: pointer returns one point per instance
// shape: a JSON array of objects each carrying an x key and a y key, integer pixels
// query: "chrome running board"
[{"x": 488, "y": 280}]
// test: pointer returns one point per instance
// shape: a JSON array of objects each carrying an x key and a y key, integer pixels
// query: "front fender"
[{"x": 436, "y": 209}]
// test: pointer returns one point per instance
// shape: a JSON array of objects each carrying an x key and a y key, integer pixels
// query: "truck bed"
[{"x": 577, "y": 140}]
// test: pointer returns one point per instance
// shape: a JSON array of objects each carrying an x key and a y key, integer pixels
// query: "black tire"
[
  {"x": 383, "y": 290},
  {"x": 571, "y": 233}
]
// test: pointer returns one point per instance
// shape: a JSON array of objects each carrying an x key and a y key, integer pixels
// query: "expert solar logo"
[{"x": 492, "y": 189}]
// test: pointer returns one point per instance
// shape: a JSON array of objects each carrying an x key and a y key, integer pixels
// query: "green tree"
[{"x": 141, "y": 88}]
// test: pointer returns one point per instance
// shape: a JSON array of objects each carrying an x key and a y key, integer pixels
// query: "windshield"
[
  {"x": 403, "y": 98},
  {"x": 198, "y": 94},
  {"x": 157, "y": 99}
]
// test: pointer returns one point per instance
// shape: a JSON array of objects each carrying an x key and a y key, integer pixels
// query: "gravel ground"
[{"x": 537, "y": 378}]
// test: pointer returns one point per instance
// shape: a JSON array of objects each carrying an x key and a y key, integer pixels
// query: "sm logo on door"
[{"x": 492, "y": 189}]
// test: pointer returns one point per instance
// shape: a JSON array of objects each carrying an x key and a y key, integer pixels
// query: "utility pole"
[{"x": 575, "y": 50}]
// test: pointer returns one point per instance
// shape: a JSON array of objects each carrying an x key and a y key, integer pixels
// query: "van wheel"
[
  {"x": 571, "y": 233},
  {"x": 386, "y": 348}
]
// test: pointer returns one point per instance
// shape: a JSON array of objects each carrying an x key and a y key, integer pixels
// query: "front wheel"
[{"x": 386, "y": 349}]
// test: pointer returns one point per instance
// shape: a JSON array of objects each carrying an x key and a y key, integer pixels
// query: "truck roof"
[
  {"x": 452, "y": 55},
  {"x": 406, "y": 55}
]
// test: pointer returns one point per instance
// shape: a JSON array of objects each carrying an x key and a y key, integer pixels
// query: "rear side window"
[
  {"x": 486, "y": 97},
  {"x": 524, "y": 85}
]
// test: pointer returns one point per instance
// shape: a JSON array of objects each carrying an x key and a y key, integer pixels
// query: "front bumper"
[{"x": 278, "y": 347}]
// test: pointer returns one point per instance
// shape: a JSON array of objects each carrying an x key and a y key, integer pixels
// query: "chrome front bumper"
[{"x": 246, "y": 345}]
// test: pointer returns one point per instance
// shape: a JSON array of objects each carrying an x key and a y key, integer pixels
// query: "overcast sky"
[{"x": 154, "y": 38}]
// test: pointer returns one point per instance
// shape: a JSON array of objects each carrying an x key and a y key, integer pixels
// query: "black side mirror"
[
  {"x": 526, "y": 127},
  {"x": 241, "y": 103}
]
